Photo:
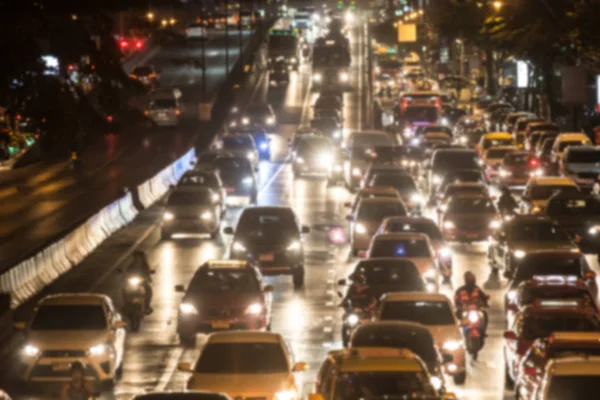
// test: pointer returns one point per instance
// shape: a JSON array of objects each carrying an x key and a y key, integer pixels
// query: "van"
[{"x": 164, "y": 107}]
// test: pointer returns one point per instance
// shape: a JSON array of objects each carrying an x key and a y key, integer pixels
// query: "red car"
[
  {"x": 469, "y": 218},
  {"x": 517, "y": 167},
  {"x": 558, "y": 345},
  {"x": 539, "y": 320}
]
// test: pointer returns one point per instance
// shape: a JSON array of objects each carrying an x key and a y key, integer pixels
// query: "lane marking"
[{"x": 169, "y": 369}]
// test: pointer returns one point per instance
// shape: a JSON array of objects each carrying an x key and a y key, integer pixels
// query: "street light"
[{"x": 497, "y": 5}]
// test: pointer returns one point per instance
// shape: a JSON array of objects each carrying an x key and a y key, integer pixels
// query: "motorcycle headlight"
[
  {"x": 270, "y": 121},
  {"x": 594, "y": 230},
  {"x": 356, "y": 171},
  {"x": 437, "y": 179},
  {"x": 415, "y": 141},
  {"x": 251, "y": 156},
  {"x": 519, "y": 253},
  {"x": 344, "y": 76},
  {"x": 416, "y": 198},
  {"x": 449, "y": 225},
  {"x": 429, "y": 274},
  {"x": 495, "y": 224},
  {"x": 98, "y": 350},
  {"x": 254, "y": 308},
  {"x": 206, "y": 216},
  {"x": 325, "y": 159},
  {"x": 31, "y": 351},
  {"x": 245, "y": 120},
  {"x": 463, "y": 139},
  {"x": 473, "y": 316},
  {"x": 286, "y": 395},
  {"x": 407, "y": 132},
  {"x": 247, "y": 181},
  {"x": 352, "y": 319},
  {"x": 360, "y": 229},
  {"x": 168, "y": 216},
  {"x": 445, "y": 121},
  {"x": 294, "y": 246},
  {"x": 445, "y": 252},
  {"x": 237, "y": 246},
  {"x": 188, "y": 309},
  {"x": 436, "y": 382},
  {"x": 317, "y": 77},
  {"x": 264, "y": 146},
  {"x": 134, "y": 281},
  {"x": 511, "y": 295},
  {"x": 299, "y": 160},
  {"x": 337, "y": 134},
  {"x": 452, "y": 345}
]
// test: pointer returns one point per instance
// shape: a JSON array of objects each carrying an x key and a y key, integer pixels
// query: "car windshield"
[
  {"x": 400, "y": 248},
  {"x": 498, "y": 153},
  {"x": 549, "y": 265},
  {"x": 142, "y": 71},
  {"x": 199, "y": 180},
  {"x": 371, "y": 140},
  {"x": 377, "y": 211},
  {"x": 258, "y": 109},
  {"x": 470, "y": 205},
  {"x": 403, "y": 276},
  {"x": 438, "y": 129},
  {"x": 582, "y": 156},
  {"x": 454, "y": 190},
  {"x": 428, "y": 228},
  {"x": 544, "y": 325},
  {"x": 265, "y": 224},
  {"x": 566, "y": 143},
  {"x": 403, "y": 183},
  {"x": 69, "y": 317},
  {"x": 588, "y": 207},
  {"x": 160, "y": 104},
  {"x": 452, "y": 159},
  {"x": 544, "y": 232},
  {"x": 313, "y": 145},
  {"x": 488, "y": 143},
  {"x": 237, "y": 143},
  {"x": 517, "y": 159},
  {"x": 573, "y": 387},
  {"x": 417, "y": 343},
  {"x": 383, "y": 385},
  {"x": 544, "y": 192},
  {"x": 233, "y": 165},
  {"x": 190, "y": 198},
  {"x": 422, "y": 312},
  {"x": 224, "y": 281},
  {"x": 421, "y": 114},
  {"x": 242, "y": 358}
]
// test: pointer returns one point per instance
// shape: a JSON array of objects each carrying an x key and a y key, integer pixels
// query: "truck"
[{"x": 331, "y": 62}]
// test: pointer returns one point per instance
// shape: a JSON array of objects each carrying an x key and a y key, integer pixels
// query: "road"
[
  {"x": 45, "y": 200},
  {"x": 308, "y": 318}
]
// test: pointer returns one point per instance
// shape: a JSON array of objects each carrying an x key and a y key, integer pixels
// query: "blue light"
[
  {"x": 400, "y": 250},
  {"x": 264, "y": 146}
]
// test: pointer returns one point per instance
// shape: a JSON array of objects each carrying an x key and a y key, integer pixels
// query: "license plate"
[
  {"x": 229, "y": 190},
  {"x": 61, "y": 367},
  {"x": 220, "y": 324},
  {"x": 266, "y": 257},
  {"x": 162, "y": 115}
]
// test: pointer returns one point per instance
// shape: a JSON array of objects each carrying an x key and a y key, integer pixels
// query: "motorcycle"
[
  {"x": 473, "y": 325},
  {"x": 353, "y": 318},
  {"x": 134, "y": 294}
]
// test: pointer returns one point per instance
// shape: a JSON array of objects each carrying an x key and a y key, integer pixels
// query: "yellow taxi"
[
  {"x": 374, "y": 372},
  {"x": 494, "y": 139}
]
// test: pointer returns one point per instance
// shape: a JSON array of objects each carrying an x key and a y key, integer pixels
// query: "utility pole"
[
  {"x": 240, "y": 29},
  {"x": 203, "y": 17},
  {"x": 226, "y": 37}
]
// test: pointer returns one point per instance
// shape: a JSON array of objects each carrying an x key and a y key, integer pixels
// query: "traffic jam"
[{"x": 443, "y": 177}]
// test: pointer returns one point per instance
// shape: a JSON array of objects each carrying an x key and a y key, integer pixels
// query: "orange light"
[
  {"x": 152, "y": 75},
  {"x": 109, "y": 118},
  {"x": 177, "y": 111},
  {"x": 139, "y": 44},
  {"x": 146, "y": 113},
  {"x": 132, "y": 76}
]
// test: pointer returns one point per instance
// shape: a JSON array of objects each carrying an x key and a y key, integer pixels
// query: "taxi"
[
  {"x": 70, "y": 327},
  {"x": 376, "y": 372},
  {"x": 544, "y": 350},
  {"x": 547, "y": 288},
  {"x": 539, "y": 320},
  {"x": 565, "y": 140},
  {"x": 540, "y": 188},
  {"x": 436, "y": 312},
  {"x": 493, "y": 139},
  {"x": 469, "y": 218},
  {"x": 493, "y": 158},
  {"x": 573, "y": 378},
  {"x": 371, "y": 193},
  {"x": 245, "y": 365},
  {"x": 223, "y": 294}
]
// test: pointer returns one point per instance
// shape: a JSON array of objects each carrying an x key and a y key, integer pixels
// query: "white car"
[
  {"x": 572, "y": 378},
  {"x": 436, "y": 312},
  {"x": 196, "y": 31},
  {"x": 66, "y": 328},
  {"x": 245, "y": 364}
]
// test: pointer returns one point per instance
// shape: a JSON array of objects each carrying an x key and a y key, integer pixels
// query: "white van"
[{"x": 164, "y": 107}]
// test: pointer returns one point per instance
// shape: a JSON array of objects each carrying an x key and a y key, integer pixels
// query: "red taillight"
[
  {"x": 123, "y": 43},
  {"x": 146, "y": 113},
  {"x": 534, "y": 162},
  {"x": 139, "y": 44},
  {"x": 404, "y": 104},
  {"x": 177, "y": 111},
  {"x": 437, "y": 102},
  {"x": 109, "y": 118}
]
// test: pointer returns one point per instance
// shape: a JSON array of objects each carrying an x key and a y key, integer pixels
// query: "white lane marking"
[
  {"x": 327, "y": 329},
  {"x": 271, "y": 179},
  {"x": 169, "y": 370},
  {"x": 329, "y": 304}
]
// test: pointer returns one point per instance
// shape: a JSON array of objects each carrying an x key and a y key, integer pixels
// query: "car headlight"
[
  {"x": 237, "y": 246},
  {"x": 360, "y": 229},
  {"x": 206, "y": 216},
  {"x": 511, "y": 295},
  {"x": 429, "y": 274},
  {"x": 233, "y": 124},
  {"x": 436, "y": 382},
  {"x": 344, "y": 76},
  {"x": 251, "y": 156},
  {"x": 445, "y": 252},
  {"x": 134, "y": 281},
  {"x": 356, "y": 171},
  {"x": 325, "y": 159},
  {"x": 463, "y": 139},
  {"x": 31, "y": 351},
  {"x": 290, "y": 394},
  {"x": 270, "y": 121},
  {"x": 437, "y": 179},
  {"x": 299, "y": 160},
  {"x": 215, "y": 198},
  {"x": 254, "y": 308},
  {"x": 317, "y": 77},
  {"x": 452, "y": 345},
  {"x": 293, "y": 60},
  {"x": 416, "y": 198},
  {"x": 415, "y": 141},
  {"x": 352, "y": 319},
  {"x": 405, "y": 163},
  {"x": 538, "y": 172},
  {"x": 188, "y": 309},
  {"x": 168, "y": 216},
  {"x": 445, "y": 121},
  {"x": 449, "y": 225},
  {"x": 248, "y": 181},
  {"x": 519, "y": 253},
  {"x": 245, "y": 120},
  {"x": 294, "y": 246},
  {"x": 264, "y": 146},
  {"x": 594, "y": 230},
  {"x": 98, "y": 350},
  {"x": 495, "y": 224}
]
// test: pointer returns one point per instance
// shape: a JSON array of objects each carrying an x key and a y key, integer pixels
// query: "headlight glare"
[
  {"x": 31, "y": 351},
  {"x": 168, "y": 216},
  {"x": 360, "y": 229},
  {"x": 206, "y": 216},
  {"x": 98, "y": 350},
  {"x": 449, "y": 225},
  {"x": 495, "y": 224},
  {"x": 286, "y": 395},
  {"x": 519, "y": 253},
  {"x": 245, "y": 120},
  {"x": 452, "y": 345},
  {"x": 188, "y": 309},
  {"x": 247, "y": 181},
  {"x": 353, "y": 319},
  {"x": 294, "y": 246},
  {"x": 134, "y": 281},
  {"x": 237, "y": 246},
  {"x": 254, "y": 308}
]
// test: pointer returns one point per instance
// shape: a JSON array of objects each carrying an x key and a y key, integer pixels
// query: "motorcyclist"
[
  {"x": 469, "y": 294},
  {"x": 507, "y": 203},
  {"x": 360, "y": 294},
  {"x": 141, "y": 266},
  {"x": 77, "y": 388}
]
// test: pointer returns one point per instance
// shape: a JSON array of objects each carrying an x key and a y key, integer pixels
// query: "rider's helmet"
[
  {"x": 359, "y": 277},
  {"x": 470, "y": 278}
]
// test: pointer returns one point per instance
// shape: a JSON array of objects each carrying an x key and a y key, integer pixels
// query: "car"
[
  {"x": 191, "y": 210},
  {"x": 435, "y": 312},
  {"x": 418, "y": 115},
  {"x": 70, "y": 327},
  {"x": 189, "y": 395},
  {"x": 380, "y": 372},
  {"x": 444, "y": 161},
  {"x": 582, "y": 164},
  {"x": 491, "y": 110},
  {"x": 367, "y": 217},
  {"x": 330, "y": 99},
  {"x": 239, "y": 145},
  {"x": 279, "y": 72},
  {"x": 544, "y": 154},
  {"x": 261, "y": 140},
  {"x": 494, "y": 139},
  {"x": 512, "y": 117},
  {"x": 381, "y": 167},
  {"x": 331, "y": 126},
  {"x": 534, "y": 130},
  {"x": 469, "y": 218},
  {"x": 223, "y": 295},
  {"x": 404, "y": 183},
  {"x": 516, "y": 168},
  {"x": 271, "y": 237},
  {"x": 565, "y": 140},
  {"x": 238, "y": 179},
  {"x": 313, "y": 155},
  {"x": 437, "y": 129},
  {"x": 456, "y": 189},
  {"x": 579, "y": 215},
  {"x": 390, "y": 274},
  {"x": 373, "y": 192},
  {"x": 257, "y": 116},
  {"x": 460, "y": 177},
  {"x": 518, "y": 129},
  {"x": 427, "y": 227},
  {"x": 572, "y": 377},
  {"x": 164, "y": 107},
  {"x": 336, "y": 173},
  {"x": 245, "y": 364},
  {"x": 415, "y": 247},
  {"x": 300, "y": 134},
  {"x": 548, "y": 287},
  {"x": 402, "y": 335},
  {"x": 543, "y": 318},
  {"x": 540, "y": 188},
  {"x": 522, "y": 235},
  {"x": 493, "y": 158},
  {"x": 550, "y": 263},
  {"x": 145, "y": 74},
  {"x": 208, "y": 178},
  {"x": 360, "y": 149},
  {"x": 196, "y": 31},
  {"x": 545, "y": 135}
]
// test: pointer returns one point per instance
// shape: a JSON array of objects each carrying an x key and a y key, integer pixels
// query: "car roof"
[
  {"x": 377, "y": 359},
  {"x": 414, "y": 296},
  {"x": 538, "y": 123},
  {"x": 187, "y": 395},
  {"x": 400, "y": 236},
  {"x": 244, "y": 337},
  {"x": 588, "y": 149},
  {"x": 497, "y": 135},
  {"x": 558, "y": 338},
  {"x": 376, "y": 190},
  {"x": 466, "y": 185},
  {"x": 511, "y": 147},
  {"x": 394, "y": 326},
  {"x": 572, "y": 136},
  {"x": 571, "y": 366},
  {"x": 409, "y": 220},
  {"x": 552, "y": 181},
  {"x": 67, "y": 299},
  {"x": 259, "y": 209},
  {"x": 226, "y": 264}
]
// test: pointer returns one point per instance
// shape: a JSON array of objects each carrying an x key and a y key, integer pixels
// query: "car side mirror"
[
  {"x": 19, "y": 325},
  {"x": 590, "y": 275},
  {"x": 305, "y": 229},
  {"x": 342, "y": 282},
  {"x": 179, "y": 288},
  {"x": 349, "y": 218},
  {"x": 119, "y": 325},
  {"x": 184, "y": 367},
  {"x": 510, "y": 335},
  {"x": 447, "y": 358},
  {"x": 268, "y": 289},
  {"x": 300, "y": 366},
  {"x": 228, "y": 230}
]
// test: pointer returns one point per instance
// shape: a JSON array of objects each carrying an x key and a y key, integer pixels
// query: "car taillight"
[
  {"x": 123, "y": 44},
  {"x": 404, "y": 104},
  {"x": 146, "y": 113},
  {"x": 177, "y": 111},
  {"x": 534, "y": 163},
  {"x": 139, "y": 44},
  {"x": 109, "y": 118},
  {"x": 437, "y": 102}
]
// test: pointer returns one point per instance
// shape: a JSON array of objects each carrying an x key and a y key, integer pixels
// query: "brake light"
[
  {"x": 109, "y": 118},
  {"x": 146, "y": 113},
  {"x": 139, "y": 44},
  {"x": 177, "y": 111},
  {"x": 404, "y": 104},
  {"x": 123, "y": 43},
  {"x": 437, "y": 102},
  {"x": 534, "y": 162}
]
